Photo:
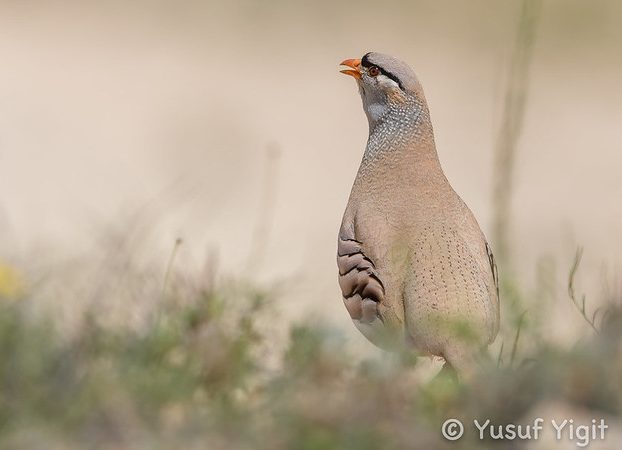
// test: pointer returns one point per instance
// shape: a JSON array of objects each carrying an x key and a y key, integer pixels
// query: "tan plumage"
[{"x": 414, "y": 266}]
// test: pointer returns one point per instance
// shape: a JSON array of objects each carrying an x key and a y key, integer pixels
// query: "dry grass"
[{"x": 198, "y": 371}]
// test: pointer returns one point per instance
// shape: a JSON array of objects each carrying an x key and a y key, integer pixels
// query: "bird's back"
[{"x": 449, "y": 292}]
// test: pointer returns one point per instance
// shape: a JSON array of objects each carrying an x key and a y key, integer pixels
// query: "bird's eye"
[{"x": 373, "y": 71}]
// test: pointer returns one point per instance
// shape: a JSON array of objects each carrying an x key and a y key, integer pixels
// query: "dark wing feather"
[
  {"x": 493, "y": 267},
  {"x": 360, "y": 284}
]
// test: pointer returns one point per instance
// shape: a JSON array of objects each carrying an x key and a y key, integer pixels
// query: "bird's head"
[{"x": 386, "y": 84}]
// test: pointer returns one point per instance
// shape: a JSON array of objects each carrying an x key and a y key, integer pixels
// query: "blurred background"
[
  {"x": 227, "y": 124},
  {"x": 152, "y": 148}
]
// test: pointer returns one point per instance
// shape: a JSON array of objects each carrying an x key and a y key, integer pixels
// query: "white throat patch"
[{"x": 376, "y": 111}]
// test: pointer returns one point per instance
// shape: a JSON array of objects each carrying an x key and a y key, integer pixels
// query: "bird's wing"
[
  {"x": 495, "y": 299},
  {"x": 493, "y": 267},
  {"x": 360, "y": 283}
]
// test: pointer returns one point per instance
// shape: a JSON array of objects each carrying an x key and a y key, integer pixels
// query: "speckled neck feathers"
[{"x": 403, "y": 135}]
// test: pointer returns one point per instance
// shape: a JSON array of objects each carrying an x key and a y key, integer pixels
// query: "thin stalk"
[
  {"x": 169, "y": 266},
  {"x": 511, "y": 127}
]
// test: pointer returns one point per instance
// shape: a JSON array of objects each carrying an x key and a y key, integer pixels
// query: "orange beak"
[{"x": 355, "y": 70}]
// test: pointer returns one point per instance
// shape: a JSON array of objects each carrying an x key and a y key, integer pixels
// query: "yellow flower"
[{"x": 11, "y": 285}]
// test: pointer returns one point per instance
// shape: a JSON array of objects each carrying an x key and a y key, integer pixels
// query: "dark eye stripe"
[
  {"x": 391, "y": 76},
  {"x": 365, "y": 62}
]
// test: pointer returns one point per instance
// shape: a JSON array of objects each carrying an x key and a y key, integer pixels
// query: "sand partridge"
[{"x": 414, "y": 267}]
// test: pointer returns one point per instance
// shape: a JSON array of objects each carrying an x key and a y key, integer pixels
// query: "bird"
[{"x": 415, "y": 269}]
